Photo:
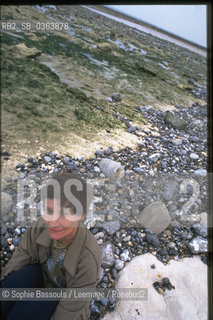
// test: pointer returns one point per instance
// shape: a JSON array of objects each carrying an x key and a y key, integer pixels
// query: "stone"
[
  {"x": 96, "y": 169},
  {"x": 16, "y": 241},
  {"x": 17, "y": 231},
  {"x": 101, "y": 274},
  {"x": 177, "y": 142},
  {"x": 154, "y": 157},
  {"x": 175, "y": 122},
  {"x": 127, "y": 238},
  {"x": 67, "y": 160},
  {"x": 119, "y": 264},
  {"x": 99, "y": 235},
  {"x": 204, "y": 218},
  {"x": 139, "y": 170},
  {"x": 98, "y": 153},
  {"x": 132, "y": 129},
  {"x": 198, "y": 123},
  {"x": 200, "y": 229},
  {"x": 194, "y": 156},
  {"x": 6, "y": 203},
  {"x": 171, "y": 245},
  {"x": 3, "y": 230},
  {"x": 155, "y": 217},
  {"x": 108, "y": 99},
  {"x": 22, "y": 50},
  {"x": 12, "y": 247},
  {"x": 116, "y": 97},
  {"x": 198, "y": 245},
  {"x": 109, "y": 226},
  {"x": 126, "y": 255},
  {"x": 47, "y": 159},
  {"x": 153, "y": 240},
  {"x": 148, "y": 107},
  {"x": 94, "y": 307},
  {"x": 201, "y": 173},
  {"x": 110, "y": 168},
  {"x": 170, "y": 191},
  {"x": 189, "y": 299},
  {"x": 4, "y": 243},
  {"x": 107, "y": 253}
]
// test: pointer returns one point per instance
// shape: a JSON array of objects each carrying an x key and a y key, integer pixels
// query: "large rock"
[
  {"x": 6, "y": 203},
  {"x": 176, "y": 122},
  {"x": 110, "y": 168},
  {"x": 187, "y": 301},
  {"x": 109, "y": 226},
  {"x": 155, "y": 217},
  {"x": 22, "y": 50}
]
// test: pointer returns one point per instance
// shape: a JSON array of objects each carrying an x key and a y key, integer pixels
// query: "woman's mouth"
[{"x": 55, "y": 230}]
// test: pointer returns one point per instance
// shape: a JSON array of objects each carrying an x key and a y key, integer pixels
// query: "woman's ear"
[{"x": 82, "y": 217}]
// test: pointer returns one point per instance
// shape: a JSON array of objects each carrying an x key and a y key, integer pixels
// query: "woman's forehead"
[{"x": 55, "y": 203}]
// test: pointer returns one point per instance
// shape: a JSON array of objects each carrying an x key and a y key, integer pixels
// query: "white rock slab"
[{"x": 186, "y": 302}]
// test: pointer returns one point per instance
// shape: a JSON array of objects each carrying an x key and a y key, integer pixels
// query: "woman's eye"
[{"x": 49, "y": 211}]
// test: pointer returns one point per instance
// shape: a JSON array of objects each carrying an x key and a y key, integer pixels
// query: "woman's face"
[{"x": 61, "y": 222}]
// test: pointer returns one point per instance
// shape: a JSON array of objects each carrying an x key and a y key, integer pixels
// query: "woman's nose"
[{"x": 52, "y": 220}]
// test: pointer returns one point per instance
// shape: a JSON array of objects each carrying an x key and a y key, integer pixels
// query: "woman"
[{"x": 56, "y": 251}]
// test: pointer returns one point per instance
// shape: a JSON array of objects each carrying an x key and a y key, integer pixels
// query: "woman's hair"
[{"x": 69, "y": 184}]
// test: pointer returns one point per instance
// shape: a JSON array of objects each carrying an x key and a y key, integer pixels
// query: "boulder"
[
  {"x": 22, "y": 50},
  {"x": 6, "y": 203},
  {"x": 110, "y": 168},
  {"x": 155, "y": 217},
  {"x": 176, "y": 122},
  {"x": 188, "y": 300}
]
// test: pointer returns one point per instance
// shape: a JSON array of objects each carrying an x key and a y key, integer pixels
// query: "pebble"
[
  {"x": 119, "y": 264},
  {"x": 171, "y": 245},
  {"x": 201, "y": 173},
  {"x": 126, "y": 255},
  {"x": 17, "y": 231},
  {"x": 16, "y": 241},
  {"x": 99, "y": 235},
  {"x": 47, "y": 159},
  {"x": 194, "y": 156},
  {"x": 12, "y": 247}
]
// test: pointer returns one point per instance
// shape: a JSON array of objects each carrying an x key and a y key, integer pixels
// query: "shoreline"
[{"x": 148, "y": 28}]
